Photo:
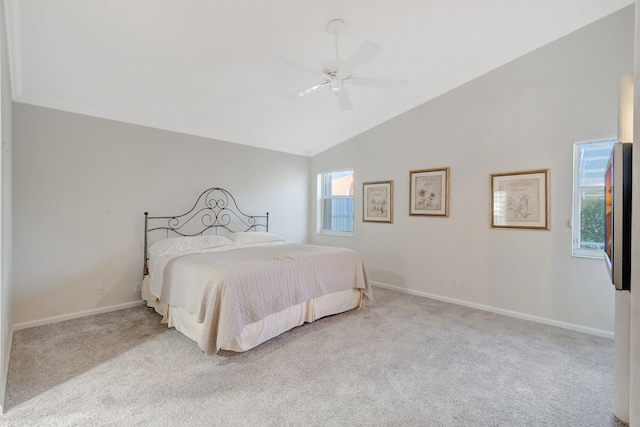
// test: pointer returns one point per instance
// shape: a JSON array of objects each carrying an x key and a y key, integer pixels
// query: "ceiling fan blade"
[
  {"x": 376, "y": 83},
  {"x": 343, "y": 99},
  {"x": 312, "y": 89},
  {"x": 296, "y": 96},
  {"x": 364, "y": 53},
  {"x": 304, "y": 68}
]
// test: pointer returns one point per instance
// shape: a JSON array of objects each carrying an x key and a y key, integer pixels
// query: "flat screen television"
[{"x": 617, "y": 216}]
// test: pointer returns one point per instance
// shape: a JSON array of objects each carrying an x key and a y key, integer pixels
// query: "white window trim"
[
  {"x": 320, "y": 206},
  {"x": 576, "y": 189}
]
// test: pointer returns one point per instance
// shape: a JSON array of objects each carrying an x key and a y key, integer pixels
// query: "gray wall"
[
  {"x": 82, "y": 184},
  {"x": 6, "y": 275},
  {"x": 524, "y": 115}
]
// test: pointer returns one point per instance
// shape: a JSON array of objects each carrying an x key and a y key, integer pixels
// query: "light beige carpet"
[{"x": 402, "y": 361}]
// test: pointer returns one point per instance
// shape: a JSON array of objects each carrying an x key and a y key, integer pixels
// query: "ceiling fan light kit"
[{"x": 336, "y": 72}]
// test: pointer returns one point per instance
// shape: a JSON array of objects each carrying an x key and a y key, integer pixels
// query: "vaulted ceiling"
[{"x": 211, "y": 68}]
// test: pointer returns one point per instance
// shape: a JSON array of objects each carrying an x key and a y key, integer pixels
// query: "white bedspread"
[{"x": 230, "y": 288}]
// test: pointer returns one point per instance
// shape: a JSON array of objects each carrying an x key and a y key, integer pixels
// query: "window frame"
[
  {"x": 321, "y": 198},
  {"x": 576, "y": 201}
]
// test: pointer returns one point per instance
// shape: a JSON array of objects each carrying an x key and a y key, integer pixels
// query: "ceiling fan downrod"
[{"x": 335, "y": 27}]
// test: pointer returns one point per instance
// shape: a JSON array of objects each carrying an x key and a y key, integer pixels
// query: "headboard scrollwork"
[{"x": 215, "y": 209}]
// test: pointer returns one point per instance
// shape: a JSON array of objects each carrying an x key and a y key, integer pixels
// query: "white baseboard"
[
  {"x": 510, "y": 313},
  {"x": 76, "y": 315}
]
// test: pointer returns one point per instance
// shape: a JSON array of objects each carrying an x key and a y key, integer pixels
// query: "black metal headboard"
[{"x": 214, "y": 209}]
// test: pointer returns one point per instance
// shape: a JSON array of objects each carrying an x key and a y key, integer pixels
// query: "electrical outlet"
[
  {"x": 99, "y": 289},
  {"x": 138, "y": 287},
  {"x": 455, "y": 282}
]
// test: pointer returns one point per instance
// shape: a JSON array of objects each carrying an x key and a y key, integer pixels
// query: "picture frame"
[
  {"x": 377, "y": 201},
  {"x": 429, "y": 192},
  {"x": 521, "y": 200}
]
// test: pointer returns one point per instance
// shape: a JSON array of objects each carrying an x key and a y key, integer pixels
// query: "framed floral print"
[
  {"x": 520, "y": 200},
  {"x": 377, "y": 201},
  {"x": 429, "y": 192}
]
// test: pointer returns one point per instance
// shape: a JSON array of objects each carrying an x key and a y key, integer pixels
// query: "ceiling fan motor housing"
[{"x": 332, "y": 66}]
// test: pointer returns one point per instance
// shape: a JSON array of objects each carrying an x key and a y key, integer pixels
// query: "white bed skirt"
[{"x": 271, "y": 326}]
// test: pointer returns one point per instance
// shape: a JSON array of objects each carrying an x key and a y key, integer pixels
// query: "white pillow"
[
  {"x": 254, "y": 237},
  {"x": 190, "y": 243}
]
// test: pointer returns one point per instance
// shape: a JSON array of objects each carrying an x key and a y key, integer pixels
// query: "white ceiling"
[{"x": 209, "y": 68}]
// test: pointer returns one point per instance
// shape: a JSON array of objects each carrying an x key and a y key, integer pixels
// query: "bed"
[{"x": 222, "y": 279}]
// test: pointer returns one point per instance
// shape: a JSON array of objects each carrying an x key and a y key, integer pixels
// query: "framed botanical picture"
[
  {"x": 520, "y": 200},
  {"x": 377, "y": 201},
  {"x": 429, "y": 192}
]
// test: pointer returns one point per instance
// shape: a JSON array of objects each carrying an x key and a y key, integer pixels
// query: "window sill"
[
  {"x": 335, "y": 233},
  {"x": 588, "y": 256}
]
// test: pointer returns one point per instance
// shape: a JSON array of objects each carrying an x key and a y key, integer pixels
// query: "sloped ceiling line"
[{"x": 208, "y": 68}]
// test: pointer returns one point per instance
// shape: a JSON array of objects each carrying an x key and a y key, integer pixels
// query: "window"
[
  {"x": 590, "y": 161},
  {"x": 335, "y": 203}
]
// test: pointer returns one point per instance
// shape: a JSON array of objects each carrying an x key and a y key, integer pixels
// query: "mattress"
[{"x": 263, "y": 330}]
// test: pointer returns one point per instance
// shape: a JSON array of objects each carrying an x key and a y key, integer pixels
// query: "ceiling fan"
[{"x": 337, "y": 73}]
